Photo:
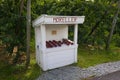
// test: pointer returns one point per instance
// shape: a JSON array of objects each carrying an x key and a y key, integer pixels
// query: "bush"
[{"x": 116, "y": 39}]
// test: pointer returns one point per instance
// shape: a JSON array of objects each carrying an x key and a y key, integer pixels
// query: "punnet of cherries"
[{"x": 54, "y": 43}]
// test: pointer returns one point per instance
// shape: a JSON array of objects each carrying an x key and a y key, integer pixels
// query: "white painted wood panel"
[
  {"x": 61, "y": 32},
  {"x": 61, "y": 58}
]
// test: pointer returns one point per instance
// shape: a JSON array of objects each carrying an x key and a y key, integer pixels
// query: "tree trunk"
[
  {"x": 28, "y": 32},
  {"x": 113, "y": 27},
  {"x": 18, "y": 32},
  {"x": 21, "y": 6}
]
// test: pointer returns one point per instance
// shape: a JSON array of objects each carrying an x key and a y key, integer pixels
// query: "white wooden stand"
[{"x": 55, "y": 28}]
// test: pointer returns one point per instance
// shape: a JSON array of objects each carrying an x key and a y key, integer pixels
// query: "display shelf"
[{"x": 63, "y": 47}]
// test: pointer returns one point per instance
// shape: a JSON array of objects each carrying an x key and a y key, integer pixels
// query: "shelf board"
[{"x": 63, "y": 47}]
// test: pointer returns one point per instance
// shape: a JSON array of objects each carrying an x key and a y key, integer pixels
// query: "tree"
[
  {"x": 28, "y": 32},
  {"x": 12, "y": 26},
  {"x": 113, "y": 26}
]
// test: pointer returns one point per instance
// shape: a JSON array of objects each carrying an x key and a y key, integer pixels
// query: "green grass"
[
  {"x": 18, "y": 72},
  {"x": 86, "y": 58}
]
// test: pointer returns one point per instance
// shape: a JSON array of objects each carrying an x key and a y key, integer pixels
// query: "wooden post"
[
  {"x": 28, "y": 32},
  {"x": 75, "y": 40},
  {"x": 75, "y": 33},
  {"x": 43, "y": 38}
]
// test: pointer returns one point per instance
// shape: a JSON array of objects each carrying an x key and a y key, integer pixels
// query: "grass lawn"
[{"x": 86, "y": 58}]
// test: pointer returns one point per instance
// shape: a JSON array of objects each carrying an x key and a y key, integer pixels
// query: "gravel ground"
[
  {"x": 110, "y": 76},
  {"x": 77, "y": 73}
]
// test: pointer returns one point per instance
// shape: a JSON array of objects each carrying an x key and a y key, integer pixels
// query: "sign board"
[
  {"x": 45, "y": 19},
  {"x": 64, "y": 19}
]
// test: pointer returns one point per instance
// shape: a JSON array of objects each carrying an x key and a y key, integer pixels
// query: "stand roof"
[{"x": 50, "y": 19}]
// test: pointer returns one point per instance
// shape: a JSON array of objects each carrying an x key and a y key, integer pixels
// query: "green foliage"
[
  {"x": 32, "y": 45},
  {"x": 13, "y": 23},
  {"x": 116, "y": 39}
]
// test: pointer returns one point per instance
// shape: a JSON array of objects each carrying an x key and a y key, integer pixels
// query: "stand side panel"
[{"x": 37, "y": 42}]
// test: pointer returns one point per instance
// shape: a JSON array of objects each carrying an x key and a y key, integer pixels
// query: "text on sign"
[{"x": 64, "y": 19}]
